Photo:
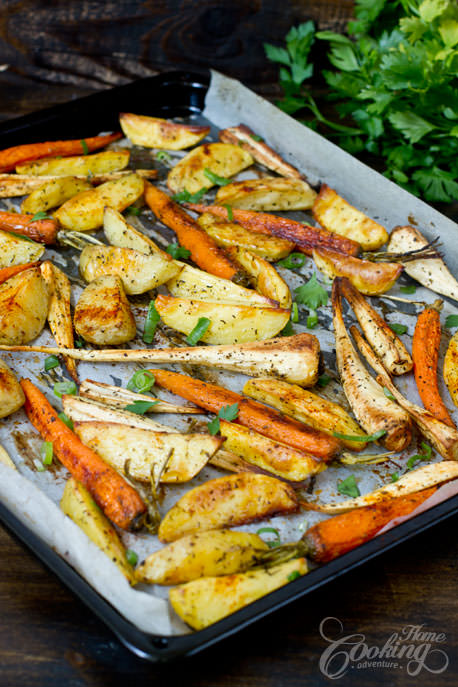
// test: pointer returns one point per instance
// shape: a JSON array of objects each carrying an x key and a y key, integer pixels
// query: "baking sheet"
[{"x": 34, "y": 496}]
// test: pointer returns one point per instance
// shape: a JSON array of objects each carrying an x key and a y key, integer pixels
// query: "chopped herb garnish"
[
  {"x": 187, "y": 197},
  {"x": 163, "y": 156},
  {"x": 228, "y": 413},
  {"x": 312, "y": 319},
  {"x": 272, "y": 543},
  {"x": 451, "y": 321},
  {"x": 67, "y": 387},
  {"x": 46, "y": 452},
  {"x": 348, "y": 487},
  {"x": 388, "y": 394},
  {"x": 287, "y": 329},
  {"x": 311, "y": 294},
  {"x": 323, "y": 380},
  {"x": 21, "y": 236},
  {"x": 420, "y": 456},
  {"x": 79, "y": 342},
  {"x": 294, "y": 312},
  {"x": 258, "y": 139},
  {"x": 293, "y": 575},
  {"x": 394, "y": 476},
  {"x": 131, "y": 556},
  {"x": 293, "y": 261},
  {"x": 177, "y": 251},
  {"x": 358, "y": 437},
  {"x": 66, "y": 420},
  {"x": 40, "y": 215},
  {"x": 141, "y": 381},
  {"x": 397, "y": 328},
  {"x": 132, "y": 210},
  {"x": 151, "y": 322},
  {"x": 215, "y": 179},
  {"x": 140, "y": 407},
  {"x": 50, "y": 362},
  {"x": 411, "y": 288},
  {"x": 199, "y": 330},
  {"x": 230, "y": 214},
  {"x": 84, "y": 147}
]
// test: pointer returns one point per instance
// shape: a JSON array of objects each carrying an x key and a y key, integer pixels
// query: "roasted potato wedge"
[
  {"x": 202, "y": 602},
  {"x": 13, "y": 185},
  {"x": 135, "y": 451},
  {"x": 138, "y": 272},
  {"x": 370, "y": 278},
  {"x": 307, "y": 407},
  {"x": 103, "y": 315},
  {"x": 274, "y": 457},
  {"x": 227, "y": 234},
  {"x": 335, "y": 214},
  {"x": 17, "y": 251},
  {"x": 24, "y": 302},
  {"x": 79, "y": 505},
  {"x": 267, "y": 194},
  {"x": 229, "y": 323},
  {"x": 119, "y": 233},
  {"x": 53, "y": 193},
  {"x": 193, "y": 283},
  {"x": 153, "y": 132},
  {"x": 451, "y": 368},
  {"x": 226, "y": 502},
  {"x": 84, "y": 211},
  {"x": 264, "y": 276},
  {"x": 77, "y": 165},
  {"x": 59, "y": 313},
  {"x": 11, "y": 394},
  {"x": 222, "y": 159},
  {"x": 217, "y": 552}
]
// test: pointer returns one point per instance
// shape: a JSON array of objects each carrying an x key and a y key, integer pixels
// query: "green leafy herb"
[
  {"x": 50, "y": 362},
  {"x": 151, "y": 322},
  {"x": 257, "y": 138},
  {"x": 177, "y": 252},
  {"x": 131, "y": 556},
  {"x": 199, "y": 330},
  {"x": 451, "y": 321},
  {"x": 312, "y": 319},
  {"x": 362, "y": 438},
  {"x": 79, "y": 342},
  {"x": 287, "y": 329},
  {"x": 394, "y": 476},
  {"x": 323, "y": 380},
  {"x": 293, "y": 575},
  {"x": 388, "y": 394},
  {"x": 311, "y": 294},
  {"x": 272, "y": 543},
  {"x": 40, "y": 215},
  {"x": 228, "y": 413},
  {"x": 66, "y": 420},
  {"x": 187, "y": 197},
  {"x": 21, "y": 236},
  {"x": 294, "y": 312},
  {"x": 293, "y": 261},
  {"x": 397, "y": 328},
  {"x": 230, "y": 214},
  {"x": 46, "y": 452},
  {"x": 426, "y": 455},
  {"x": 215, "y": 179},
  {"x": 163, "y": 156},
  {"x": 348, "y": 487},
  {"x": 84, "y": 147},
  {"x": 67, "y": 387},
  {"x": 411, "y": 288},
  {"x": 140, "y": 407},
  {"x": 141, "y": 381},
  {"x": 132, "y": 210}
]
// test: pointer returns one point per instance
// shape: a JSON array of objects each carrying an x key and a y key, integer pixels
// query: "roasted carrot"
[
  {"x": 41, "y": 230},
  {"x": 256, "y": 416},
  {"x": 304, "y": 236},
  {"x": 118, "y": 500},
  {"x": 10, "y": 157},
  {"x": 204, "y": 251},
  {"x": 425, "y": 354},
  {"x": 7, "y": 272},
  {"x": 331, "y": 538}
]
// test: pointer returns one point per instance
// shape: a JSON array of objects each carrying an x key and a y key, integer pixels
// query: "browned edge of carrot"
[
  {"x": 120, "y": 502},
  {"x": 8, "y": 272},
  {"x": 251, "y": 414},
  {"x": 10, "y": 157},
  {"x": 425, "y": 354},
  {"x": 40, "y": 230}
]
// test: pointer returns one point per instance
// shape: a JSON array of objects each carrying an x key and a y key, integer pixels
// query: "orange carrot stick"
[
  {"x": 118, "y": 500},
  {"x": 204, "y": 251},
  {"x": 7, "y": 272},
  {"x": 256, "y": 416},
  {"x": 303, "y": 235},
  {"x": 331, "y": 538},
  {"x": 425, "y": 354},
  {"x": 10, "y": 157},
  {"x": 41, "y": 230}
]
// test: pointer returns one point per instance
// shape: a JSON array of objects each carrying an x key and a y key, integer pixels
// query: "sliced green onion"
[
  {"x": 132, "y": 210},
  {"x": 215, "y": 178},
  {"x": 141, "y": 407},
  {"x": 151, "y": 322},
  {"x": 141, "y": 381},
  {"x": 230, "y": 214},
  {"x": 46, "y": 452},
  {"x": 177, "y": 251},
  {"x": 323, "y": 380},
  {"x": 163, "y": 156},
  {"x": 451, "y": 321},
  {"x": 198, "y": 331},
  {"x": 351, "y": 437},
  {"x": 256, "y": 138},
  {"x": 272, "y": 543},
  {"x": 67, "y": 387},
  {"x": 293, "y": 261},
  {"x": 51, "y": 362},
  {"x": 394, "y": 476},
  {"x": 66, "y": 420},
  {"x": 294, "y": 312},
  {"x": 312, "y": 319},
  {"x": 132, "y": 557},
  {"x": 84, "y": 147},
  {"x": 287, "y": 329},
  {"x": 411, "y": 288},
  {"x": 388, "y": 394},
  {"x": 293, "y": 575},
  {"x": 398, "y": 329}
]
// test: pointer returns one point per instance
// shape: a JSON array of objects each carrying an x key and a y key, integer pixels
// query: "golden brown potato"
[
  {"x": 202, "y": 602},
  {"x": 227, "y": 234},
  {"x": 79, "y": 505},
  {"x": 17, "y": 251},
  {"x": 226, "y": 502},
  {"x": 138, "y": 272},
  {"x": 11, "y": 394},
  {"x": 84, "y": 211},
  {"x": 371, "y": 278},
  {"x": 229, "y": 323},
  {"x": 217, "y": 552},
  {"x": 335, "y": 214},
  {"x": 13, "y": 185},
  {"x": 119, "y": 233},
  {"x": 77, "y": 165},
  {"x": 24, "y": 302},
  {"x": 103, "y": 315},
  {"x": 267, "y": 194},
  {"x": 265, "y": 277},
  {"x": 53, "y": 193},
  {"x": 451, "y": 368},
  {"x": 153, "y": 132},
  {"x": 223, "y": 159},
  {"x": 5, "y": 458}
]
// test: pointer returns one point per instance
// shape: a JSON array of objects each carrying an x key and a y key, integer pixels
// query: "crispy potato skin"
[
  {"x": 103, "y": 315},
  {"x": 154, "y": 132},
  {"x": 223, "y": 159},
  {"x": 265, "y": 277},
  {"x": 138, "y": 272},
  {"x": 201, "y": 603},
  {"x": 217, "y": 552},
  {"x": 17, "y": 251},
  {"x": 79, "y": 505},
  {"x": 267, "y": 194},
  {"x": 335, "y": 214},
  {"x": 11, "y": 394},
  {"x": 451, "y": 368},
  {"x": 226, "y": 502},
  {"x": 24, "y": 301},
  {"x": 368, "y": 277},
  {"x": 53, "y": 193},
  {"x": 79, "y": 165}
]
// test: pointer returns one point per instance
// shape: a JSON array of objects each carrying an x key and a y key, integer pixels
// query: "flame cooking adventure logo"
[{"x": 413, "y": 649}]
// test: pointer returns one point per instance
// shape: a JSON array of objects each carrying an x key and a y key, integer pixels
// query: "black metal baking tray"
[{"x": 171, "y": 94}]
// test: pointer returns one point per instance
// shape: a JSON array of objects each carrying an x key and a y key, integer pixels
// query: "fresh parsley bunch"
[{"x": 396, "y": 82}]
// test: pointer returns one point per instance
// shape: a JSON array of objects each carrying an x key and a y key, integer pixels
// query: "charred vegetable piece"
[
  {"x": 368, "y": 277},
  {"x": 154, "y": 132},
  {"x": 24, "y": 303}
]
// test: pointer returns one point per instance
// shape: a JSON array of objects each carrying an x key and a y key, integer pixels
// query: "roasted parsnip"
[
  {"x": 267, "y": 194},
  {"x": 153, "y": 132},
  {"x": 103, "y": 315},
  {"x": 368, "y": 277},
  {"x": 117, "y": 397},
  {"x": 24, "y": 303}
]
